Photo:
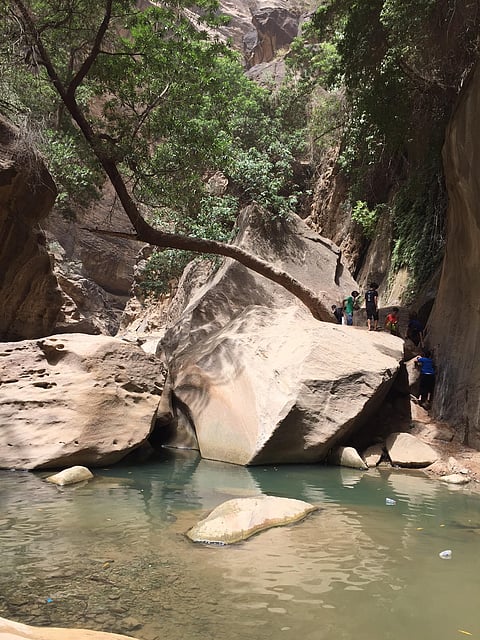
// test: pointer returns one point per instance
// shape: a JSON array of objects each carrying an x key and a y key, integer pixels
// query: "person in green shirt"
[{"x": 348, "y": 306}]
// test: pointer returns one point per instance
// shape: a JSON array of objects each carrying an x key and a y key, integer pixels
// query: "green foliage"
[
  {"x": 73, "y": 169},
  {"x": 168, "y": 104},
  {"x": 161, "y": 270},
  {"x": 365, "y": 217},
  {"x": 419, "y": 218},
  {"x": 401, "y": 64}
]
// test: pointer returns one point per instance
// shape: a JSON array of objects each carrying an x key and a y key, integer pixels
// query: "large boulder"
[
  {"x": 277, "y": 386},
  {"x": 74, "y": 400},
  {"x": 406, "y": 450},
  {"x": 30, "y": 296},
  {"x": 258, "y": 378}
]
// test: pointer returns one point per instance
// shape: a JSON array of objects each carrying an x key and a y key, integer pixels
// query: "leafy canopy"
[{"x": 166, "y": 100}]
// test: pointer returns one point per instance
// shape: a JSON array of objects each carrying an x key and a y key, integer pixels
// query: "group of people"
[
  {"x": 344, "y": 314},
  {"x": 415, "y": 332}
]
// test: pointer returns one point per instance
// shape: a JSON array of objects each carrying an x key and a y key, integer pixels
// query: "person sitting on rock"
[{"x": 391, "y": 322}]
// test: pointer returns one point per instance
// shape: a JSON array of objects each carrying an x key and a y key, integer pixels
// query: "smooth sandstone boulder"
[
  {"x": 406, "y": 450},
  {"x": 70, "y": 476},
  {"x": 10, "y": 630},
  {"x": 257, "y": 377},
  {"x": 74, "y": 400},
  {"x": 238, "y": 519},
  {"x": 372, "y": 455},
  {"x": 347, "y": 457},
  {"x": 276, "y": 386}
]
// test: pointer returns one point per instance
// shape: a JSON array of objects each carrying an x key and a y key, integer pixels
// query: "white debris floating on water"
[
  {"x": 446, "y": 555},
  {"x": 390, "y": 501}
]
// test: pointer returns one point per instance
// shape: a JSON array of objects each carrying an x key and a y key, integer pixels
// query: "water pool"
[{"x": 112, "y": 555}]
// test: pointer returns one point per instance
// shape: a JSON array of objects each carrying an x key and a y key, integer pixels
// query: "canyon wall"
[
  {"x": 454, "y": 330},
  {"x": 31, "y": 299}
]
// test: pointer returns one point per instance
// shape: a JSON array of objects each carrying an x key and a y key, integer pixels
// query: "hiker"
[
  {"x": 391, "y": 321},
  {"x": 338, "y": 313},
  {"x": 415, "y": 329},
  {"x": 427, "y": 377},
  {"x": 371, "y": 305},
  {"x": 348, "y": 307}
]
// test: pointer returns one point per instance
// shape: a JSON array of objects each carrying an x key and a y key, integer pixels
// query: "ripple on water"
[{"x": 112, "y": 555}]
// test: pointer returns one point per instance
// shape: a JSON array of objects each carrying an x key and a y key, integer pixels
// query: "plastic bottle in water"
[
  {"x": 446, "y": 555},
  {"x": 390, "y": 501}
]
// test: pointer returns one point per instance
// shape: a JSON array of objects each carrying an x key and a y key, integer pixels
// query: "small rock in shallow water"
[
  {"x": 71, "y": 476},
  {"x": 455, "y": 478}
]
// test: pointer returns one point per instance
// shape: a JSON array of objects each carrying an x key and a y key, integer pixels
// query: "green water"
[{"x": 111, "y": 555}]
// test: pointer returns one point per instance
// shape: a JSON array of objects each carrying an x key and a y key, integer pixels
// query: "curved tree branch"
[{"x": 144, "y": 231}]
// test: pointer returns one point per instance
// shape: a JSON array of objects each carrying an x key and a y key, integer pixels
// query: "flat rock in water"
[
  {"x": 238, "y": 519},
  {"x": 455, "y": 478},
  {"x": 70, "y": 476},
  {"x": 16, "y": 631}
]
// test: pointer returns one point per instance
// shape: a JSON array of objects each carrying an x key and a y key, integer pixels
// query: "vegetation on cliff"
[{"x": 400, "y": 64}]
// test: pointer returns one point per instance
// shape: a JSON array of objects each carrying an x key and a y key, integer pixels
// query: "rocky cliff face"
[
  {"x": 455, "y": 322},
  {"x": 30, "y": 296}
]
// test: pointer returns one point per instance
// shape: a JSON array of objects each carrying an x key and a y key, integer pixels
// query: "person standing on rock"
[
  {"x": 338, "y": 313},
  {"x": 371, "y": 305},
  {"x": 348, "y": 306},
  {"x": 427, "y": 377},
  {"x": 415, "y": 329}
]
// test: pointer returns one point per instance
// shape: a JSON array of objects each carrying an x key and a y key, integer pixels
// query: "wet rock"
[
  {"x": 238, "y": 519},
  {"x": 455, "y": 478},
  {"x": 70, "y": 476},
  {"x": 372, "y": 455}
]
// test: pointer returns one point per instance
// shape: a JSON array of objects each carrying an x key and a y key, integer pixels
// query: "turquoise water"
[{"x": 111, "y": 555}]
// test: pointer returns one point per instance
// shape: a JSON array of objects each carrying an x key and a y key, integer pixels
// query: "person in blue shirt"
[{"x": 427, "y": 376}]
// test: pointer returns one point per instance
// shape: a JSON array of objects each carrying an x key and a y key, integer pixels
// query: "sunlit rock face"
[
  {"x": 261, "y": 380},
  {"x": 454, "y": 328},
  {"x": 74, "y": 400},
  {"x": 275, "y": 25},
  {"x": 29, "y": 292}
]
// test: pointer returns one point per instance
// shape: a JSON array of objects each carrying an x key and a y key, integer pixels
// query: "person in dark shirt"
[
  {"x": 415, "y": 329},
  {"x": 338, "y": 313},
  {"x": 371, "y": 306},
  {"x": 427, "y": 377}
]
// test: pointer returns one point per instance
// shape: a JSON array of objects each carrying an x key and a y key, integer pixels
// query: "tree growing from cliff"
[{"x": 152, "y": 96}]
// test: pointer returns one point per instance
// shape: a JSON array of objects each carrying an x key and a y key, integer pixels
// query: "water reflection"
[{"x": 113, "y": 550}]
